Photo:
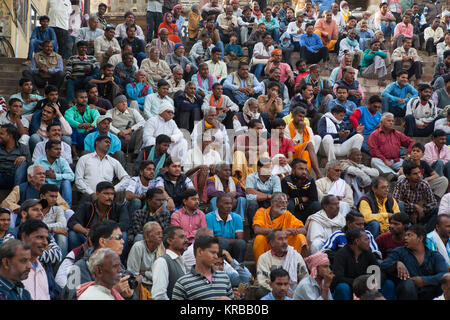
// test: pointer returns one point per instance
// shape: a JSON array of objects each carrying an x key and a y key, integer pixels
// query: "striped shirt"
[
  {"x": 78, "y": 67},
  {"x": 195, "y": 286},
  {"x": 338, "y": 240}
]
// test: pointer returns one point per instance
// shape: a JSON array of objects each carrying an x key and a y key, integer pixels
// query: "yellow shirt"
[
  {"x": 382, "y": 216},
  {"x": 288, "y": 119}
]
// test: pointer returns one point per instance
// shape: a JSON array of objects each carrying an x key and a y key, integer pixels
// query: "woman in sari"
[{"x": 174, "y": 33}]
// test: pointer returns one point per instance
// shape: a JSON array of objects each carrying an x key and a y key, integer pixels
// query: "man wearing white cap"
[
  {"x": 445, "y": 24},
  {"x": 164, "y": 124},
  {"x": 103, "y": 127}
]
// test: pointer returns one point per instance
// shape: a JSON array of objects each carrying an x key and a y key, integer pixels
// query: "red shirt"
[
  {"x": 386, "y": 146},
  {"x": 386, "y": 243},
  {"x": 286, "y": 146}
]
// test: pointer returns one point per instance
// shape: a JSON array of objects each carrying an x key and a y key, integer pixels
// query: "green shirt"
[
  {"x": 367, "y": 59},
  {"x": 74, "y": 118}
]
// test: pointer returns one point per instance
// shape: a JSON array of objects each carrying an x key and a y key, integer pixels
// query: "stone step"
[{"x": 12, "y": 68}]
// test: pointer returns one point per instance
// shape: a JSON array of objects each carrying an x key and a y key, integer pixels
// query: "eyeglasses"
[
  {"x": 116, "y": 237},
  {"x": 338, "y": 170}
]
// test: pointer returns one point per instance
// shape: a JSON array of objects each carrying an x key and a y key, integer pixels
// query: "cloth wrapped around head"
[
  {"x": 315, "y": 260},
  {"x": 276, "y": 51},
  {"x": 165, "y": 105}
]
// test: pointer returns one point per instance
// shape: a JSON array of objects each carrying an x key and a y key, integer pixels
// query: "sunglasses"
[{"x": 116, "y": 237}]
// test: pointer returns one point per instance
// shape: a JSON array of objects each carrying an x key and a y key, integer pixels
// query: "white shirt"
[
  {"x": 121, "y": 119},
  {"x": 219, "y": 69},
  {"x": 444, "y": 206},
  {"x": 260, "y": 50},
  {"x": 135, "y": 185},
  {"x": 96, "y": 292},
  {"x": 91, "y": 170},
  {"x": 195, "y": 157},
  {"x": 102, "y": 44},
  {"x": 155, "y": 126},
  {"x": 59, "y": 12},
  {"x": 292, "y": 30},
  {"x": 64, "y": 269},
  {"x": 340, "y": 20},
  {"x": 152, "y": 103},
  {"x": 160, "y": 283},
  {"x": 4, "y": 119},
  {"x": 116, "y": 58}
]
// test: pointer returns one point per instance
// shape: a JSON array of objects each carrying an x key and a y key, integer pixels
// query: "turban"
[
  {"x": 165, "y": 105},
  {"x": 315, "y": 260},
  {"x": 177, "y": 46},
  {"x": 275, "y": 51}
]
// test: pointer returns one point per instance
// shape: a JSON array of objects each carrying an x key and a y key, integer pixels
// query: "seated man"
[
  {"x": 13, "y": 116},
  {"x": 443, "y": 46},
  {"x": 241, "y": 85},
  {"x": 130, "y": 20},
  {"x": 90, "y": 34},
  {"x": 137, "y": 44},
  {"x": 96, "y": 102},
  {"x": 107, "y": 83},
  {"x": 272, "y": 24},
  {"x": 79, "y": 70},
  {"x": 384, "y": 146},
  {"x": 153, "y": 101},
  {"x": 413, "y": 282},
  {"x": 97, "y": 167},
  {"x": 417, "y": 196},
  {"x": 156, "y": 153},
  {"x": 52, "y": 95},
  {"x": 385, "y": 20},
  {"x": 322, "y": 90},
  {"x": 342, "y": 95},
  {"x": 201, "y": 50},
  {"x": 277, "y": 217},
  {"x": 355, "y": 91},
  {"x": 57, "y": 169},
  {"x": 25, "y": 95},
  {"x": 164, "y": 124},
  {"x": 301, "y": 191},
  {"x": 138, "y": 90},
  {"x": 352, "y": 261},
  {"x": 306, "y": 144},
  {"x": 312, "y": 49},
  {"x": 102, "y": 207},
  {"x": 377, "y": 206},
  {"x": 46, "y": 67},
  {"x": 216, "y": 67},
  {"x": 374, "y": 61},
  {"x": 271, "y": 105},
  {"x": 274, "y": 75},
  {"x": 203, "y": 80},
  {"x": 154, "y": 210},
  {"x": 438, "y": 239},
  {"x": 395, "y": 236},
  {"x": 41, "y": 119},
  {"x": 321, "y": 225},
  {"x": 163, "y": 43},
  {"x": 227, "y": 24},
  {"x": 127, "y": 123},
  {"x": 189, "y": 216},
  {"x": 124, "y": 71},
  {"x": 228, "y": 227},
  {"x": 40, "y": 34},
  {"x": 332, "y": 184},
  {"x": 437, "y": 154},
  {"x": 406, "y": 58},
  {"x": 145, "y": 252},
  {"x": 404, "y": 30},
  {"x": 433, "y": 35},
  {"x": 178, "y": 58},
  {"x": 103, "y": 128},
  {"x": 337, "y": 240},
  {"x": 14, "y": 157},
  {"x": 336, "y": 138},
  {"x": 440, "y": 71},
  {"x": 350, "y": 45},
  {"x": 223, "y": 183},
  {"x": 356, "y": 174},
  {"x": 187, "y": 104},
  {"x": 421, "y": 113},
  {"x": 156, "y": 68},
  {"x": 225, "y": 107},
  {"x": 105, "y": 46},
  {"x": 365, "y": 33},
  {"x": 368, "y": 118},
  {"x": 175, "y": 183},
  {"x": 213, "y": 31},
  {"x": 327, "y": 29},
  {"x": 82, "y": 118},
  {"x": 395, "y": 95},
  {"x": 118, "y": 57},
  {"x": 281, "y": 255}
]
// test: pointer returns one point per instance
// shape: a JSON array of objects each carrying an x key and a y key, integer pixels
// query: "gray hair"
[
  {"x": 351, "y": 151},
  {"x": 298, "y": 110},
  {"x": 30, "y": 170},
  {"x": 386, "y": 115},
  {"x": 203, "y": 232},
  {"x": 153, "y": 49},
  {"x": 189, "y": 83},
  {"x": 163, "y": 29},
  {"x": 277, "y": 195},
  {"x": 149, "y": 226},
  {"x": 8, "y": 249},
  {"x": 332, "y": 163},
  {"x": 249, "y": 101},
  {"x": 219, "y": 166},
  {"x": 97, "y": 258},
  {"x": 176, "y": 68},
  {"x": 208, "y": 109}
]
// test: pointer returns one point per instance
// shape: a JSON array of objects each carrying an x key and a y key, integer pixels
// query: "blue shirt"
[
  {"x": 312, "y": 43},
  {"x": 240, "y": 96},
  {"x": 11, "y": 291},
  {"x": 393, "y": 92},
  {"x": 205, "y": 83},
  {"x": 431, "y": 270},
  {"x": 224, "y": 229},
  {"x": 273, "y": 184},
  {"x": 89, "y": 142},
  {"x": 323, "y": 4},
  {"x": 134, "y": 90},
  {"x": 338, "y": 240},
  {"x": 270, "y": 296},
  {"x": 27, "y": 108},
  {"x": 61, "y": 168},
  {"x": 40, "y": 36},
  {"x": 349, "y": 106}
]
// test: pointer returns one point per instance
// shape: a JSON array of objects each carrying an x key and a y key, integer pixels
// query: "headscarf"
[
  {"x": 276, "y": 51},
  {"x": 345, "y": 12},
  {"x": 315, "y": 260},
  {"x": 170, "y": 25},
  {"x": 341, "y": 66},
  {"x": 248, "y": 115}
]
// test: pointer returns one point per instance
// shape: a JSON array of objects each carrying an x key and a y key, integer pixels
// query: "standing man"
[
  {"x": 89, "y": 34},
  {"x": 154, "y": 18},
  {"x": 59, "y": 12}
]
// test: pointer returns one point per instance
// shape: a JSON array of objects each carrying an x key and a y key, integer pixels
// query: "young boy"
[
  {"x": 233, "y": 51},
  {"x": 438, "y": 184},
  {"x": 270, "y": 104},
  {"x": 106, "y": 86}
]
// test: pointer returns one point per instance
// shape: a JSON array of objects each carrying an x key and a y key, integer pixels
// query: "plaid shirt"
[
  {"x": 142, "y": 216},
  {"x": 422, "y": 195}
]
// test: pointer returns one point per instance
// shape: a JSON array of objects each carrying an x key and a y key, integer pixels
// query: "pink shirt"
[
  {"x": 432, "y": 154},
  {"x": 284, "y": 148},
  {"x": 284, "y": 68},
  {"x": 189, "y": 223},
  {"x": 37, "y": 283},
  {"x": 406, "y": 30}
]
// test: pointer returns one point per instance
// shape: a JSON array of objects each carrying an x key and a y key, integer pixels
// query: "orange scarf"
[
  {"x": 300, "y": 149},
  {"x": 212, "y": 101}
]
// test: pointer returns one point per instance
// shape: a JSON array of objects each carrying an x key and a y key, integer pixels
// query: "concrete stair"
[{"x": 10, "y": 74}]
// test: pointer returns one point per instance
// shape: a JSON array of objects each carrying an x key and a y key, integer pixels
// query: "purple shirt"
[{"x": 212, "y": 192}]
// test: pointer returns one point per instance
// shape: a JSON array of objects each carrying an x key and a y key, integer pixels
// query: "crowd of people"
[{"x": 177, "y": 163}]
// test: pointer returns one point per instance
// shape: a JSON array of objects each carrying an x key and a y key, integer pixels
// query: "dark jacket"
[
  {"x": 143, "y": 155},
  {"x": 296, "y": 189},
  {"x": 35, "y": 122},
  {"x": 62, "y": 104},
  {"x": 86, "y": 211},
  {"x": 373, "y": 202},
  {"x": 175, "y": 191},
  {"x": 184, "y": 104}
]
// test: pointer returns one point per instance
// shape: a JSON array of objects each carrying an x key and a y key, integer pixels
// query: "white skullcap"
[{"x": 165, "y": 105}]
